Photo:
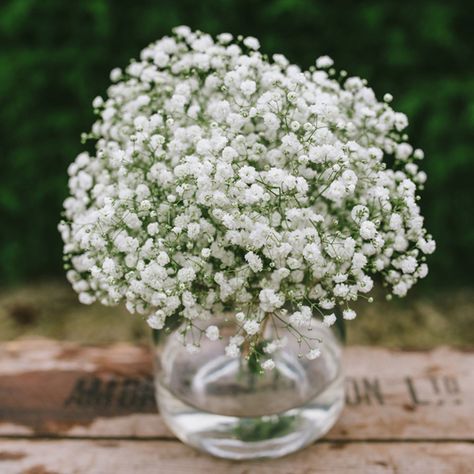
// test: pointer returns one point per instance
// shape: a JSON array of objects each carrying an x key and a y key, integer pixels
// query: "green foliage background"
[{"x": 55, "y": 56}]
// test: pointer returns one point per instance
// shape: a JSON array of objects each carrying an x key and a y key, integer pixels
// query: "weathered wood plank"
[
  {"x": 125, "y": 457},
  {"x": 63, "y": 389}
]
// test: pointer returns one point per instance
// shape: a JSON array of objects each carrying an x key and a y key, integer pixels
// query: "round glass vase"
[{"x": 229, "y": 407}]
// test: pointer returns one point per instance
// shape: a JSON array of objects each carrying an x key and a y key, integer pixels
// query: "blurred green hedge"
[{"x": 55, "y": 57}]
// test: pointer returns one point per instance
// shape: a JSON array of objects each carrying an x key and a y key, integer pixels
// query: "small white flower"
[
  {"x": 270, "y": 300},
  {"x": 329, "y": 319},
  {"x": 252, "y": 42},
  {"x": 163, "y": 258},
  {"x": 115, "y": 74},
  {"x": 269, "y": 364},
  {"x": 313, "y": 354},
  {"x": 193, "y": 230},
  {"x": 212, "y": 333},
  {"x": 225, "y": 38},
  {"x": 367, "y": 230},
  {"x": 254, "y": 261},
  {"x": 359, "y": 213},
  {"x": 396, "y": 222},
  {"x": 157, "y": 320},
  {"x": 86, "y": 298},
  {"x": 408, "y": 265},
  {"x": 152, "y": 228},
  {"x": 161, "y": 59},
  {"x": 339, "y": 278},
  {"x": 359, "y": 261},
  {"x": 422, "y": 270},
  {"x": 132, "y": 220},
  {"x": 327, "y": 304},
  {"x": 419, "y": 154},
  {"x": 324, "y": 62},
  {"x": 186, "y": 275},
  {"x": 232, "y": 350},
  {"x": 97, "y": 102},
  {"x": 400, "y": 289},
  {"x": 251, "y": 327},
  {"x": 248, "y": 87},
  {"x": 109, "y": 266},
  {"x": 312, "y": 253},
  {"x": 427, "y": 246},
  {"x": 295, "y": 125},
  {"x": 349, "y": 314}
]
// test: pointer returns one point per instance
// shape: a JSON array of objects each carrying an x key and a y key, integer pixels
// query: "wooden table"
[{"x": 66, "y": 408}]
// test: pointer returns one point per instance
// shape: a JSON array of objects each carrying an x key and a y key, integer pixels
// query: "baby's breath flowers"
[{"x": 225, "y": 180}]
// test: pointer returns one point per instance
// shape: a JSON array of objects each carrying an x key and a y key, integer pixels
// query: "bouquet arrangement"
[{"x": 223, "y": 179}]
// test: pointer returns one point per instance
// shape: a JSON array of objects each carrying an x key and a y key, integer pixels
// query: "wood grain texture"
[
  {"x": 71, "y": 409},
  {"x": 163, "y": 457},
  {"x": 67, "y": 390}
]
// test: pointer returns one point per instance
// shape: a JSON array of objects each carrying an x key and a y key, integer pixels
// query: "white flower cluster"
[{"x": 223, "y": 179}]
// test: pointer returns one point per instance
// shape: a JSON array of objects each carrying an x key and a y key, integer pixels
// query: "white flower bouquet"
[{"x": 226, "y": 180}]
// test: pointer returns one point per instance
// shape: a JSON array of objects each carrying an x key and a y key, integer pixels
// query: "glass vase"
[{"x": 231, "y": 408}]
